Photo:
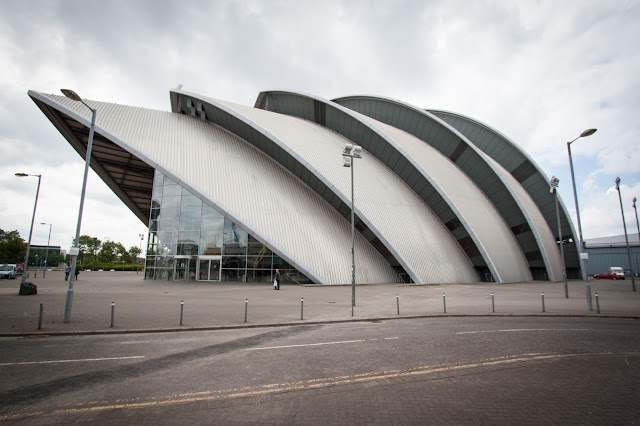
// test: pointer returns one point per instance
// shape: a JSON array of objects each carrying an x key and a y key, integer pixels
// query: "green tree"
[
  {"x": 132, "y": 255},
  {"x": 112, "y": 252},
  {"x": 88, "y": 248},
  {"x": 12, "y": 247}
]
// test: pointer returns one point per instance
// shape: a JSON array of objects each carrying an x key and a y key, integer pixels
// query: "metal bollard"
[
  {"x": 398, "y": 304},
  {"x": 444, "y": 302},
  {"x": 113, "y": 309},
  {"x": 493, "y": 303},
  {"x": 542, "y": 295},
  {"x": 301, "y": 308},
  {"x": 246, "y": 304},
  {"x": 40, "y": 316},
  {"x": 597, "y": 303},
  {"x": 181, "y": 310}
]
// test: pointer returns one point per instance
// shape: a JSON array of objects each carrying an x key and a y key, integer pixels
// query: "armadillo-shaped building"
[{"x": 232, "y": 192}]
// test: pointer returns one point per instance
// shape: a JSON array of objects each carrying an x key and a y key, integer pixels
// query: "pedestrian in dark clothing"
[
  {"x": 67, "y": 269},
  {"x": 77, "y": 272},
  {"x": 278, "y": 279}
]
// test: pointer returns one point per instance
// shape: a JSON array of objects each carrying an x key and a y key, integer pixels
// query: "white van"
[
  {"x": 617, "y": 270},
  {"x": 8, "y": 271}
]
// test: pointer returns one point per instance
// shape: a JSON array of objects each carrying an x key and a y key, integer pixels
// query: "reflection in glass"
[
  {"x": 233, "y": 262},
  {"x": 181, "y": 224},
  {"x": 259, "y": 262}
]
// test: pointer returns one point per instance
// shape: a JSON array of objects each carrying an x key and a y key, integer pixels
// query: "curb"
[{"x": 301, "y": 323}]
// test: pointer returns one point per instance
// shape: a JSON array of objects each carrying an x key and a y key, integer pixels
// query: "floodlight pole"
[
  {"x": 137, "y": 264},
  {"x": 46, "y": 258},
  {"x": 554, "y": 189},
  {"x": 26, "y": 258},
  {"x": 351, "y": 152},
  {"x": 626, "y": 237},
  {"x": 638, "y": 227},
  {"x": 581, "y": 246},
  {"x": 75, "y": 249}
]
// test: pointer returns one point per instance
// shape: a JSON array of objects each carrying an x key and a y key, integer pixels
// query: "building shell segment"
[
  {"x": 526, "y": 172},
  {"x": 523, "y": 218}
]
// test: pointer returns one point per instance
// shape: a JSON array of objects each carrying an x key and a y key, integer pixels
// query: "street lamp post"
[
  {"x": 638, "y": 227},
  {"x": 141, "y": 238},
  {"x": 352, "y": 151},
  {"x": 75, "y": 250},
  {"x": 583, "y": 265},
  {"x": 626, "y": 237},
  {"x": 554, "y": 189},
  {"x": 26, "y": 258},
  {"x": 46, "y": 258}
]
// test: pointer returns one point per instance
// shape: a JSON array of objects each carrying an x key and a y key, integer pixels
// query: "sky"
[{"x": 540, "y": 72}]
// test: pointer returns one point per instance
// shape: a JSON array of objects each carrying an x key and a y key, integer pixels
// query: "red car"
[{"x": 607, "y": 276}]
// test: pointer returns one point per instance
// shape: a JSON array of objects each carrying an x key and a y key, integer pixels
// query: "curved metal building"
[{"x": 232, "y": 192}]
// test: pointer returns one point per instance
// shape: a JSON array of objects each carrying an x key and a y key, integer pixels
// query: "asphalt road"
[{"x": 424, "y": 371}]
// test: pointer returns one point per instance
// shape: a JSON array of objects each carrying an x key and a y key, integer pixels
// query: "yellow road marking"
[{"x": 293, "y": 386}]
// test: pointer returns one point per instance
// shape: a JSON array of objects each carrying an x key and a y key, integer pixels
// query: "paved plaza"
[{"x": 141, "y": 305}]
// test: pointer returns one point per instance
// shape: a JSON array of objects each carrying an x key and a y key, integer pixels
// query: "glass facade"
[{"x": 190, "y": 241}]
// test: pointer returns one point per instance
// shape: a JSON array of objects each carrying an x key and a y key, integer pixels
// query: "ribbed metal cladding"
[
  {"x": 472, "y": 205},
  {"x": 243, "y": 183},
  {"x": 523, "y": 169},
  {"x": 507, "y": 195},
  {"x": 392, "y": 209},
  {"x": 546, "y": 239}
]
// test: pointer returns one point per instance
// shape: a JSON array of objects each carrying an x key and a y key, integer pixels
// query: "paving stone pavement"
[
  {"x": 143, "y": 305},
  {"x": 517, "y": 393}
]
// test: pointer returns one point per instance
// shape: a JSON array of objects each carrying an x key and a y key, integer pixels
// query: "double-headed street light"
[
  {"x": 141, "y": 238},
  {"x": 352, "y": 151},
  {"x": 26, "y": 258},
  {"x": 626, "y": 237},
  {"x": 554, "y": 185},
  {"x": 638, "y": 227},
  {"x": 583, "y": 265},
  {"x": 75, "y": 249},
  {"x": 46, "y": 258}
]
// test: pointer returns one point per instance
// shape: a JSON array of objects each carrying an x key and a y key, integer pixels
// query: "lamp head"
[
  {"x": 554, "y": 183},
  {"x": 21, "y": 174},
  {"x": 634, "y": 202},
  {"x": 618, "y": 183},
  {"x": 357, "y": 151},
  {"x": 347, "y": 162},
  {"x": 588, "y": 132},
  {"x": 347, "y": 148},
  {"x": 71, "y": 95}
]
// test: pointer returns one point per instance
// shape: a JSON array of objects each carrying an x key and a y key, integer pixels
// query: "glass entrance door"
[
  {"x": 182, "y": 269},
  {"x": 209, "y": 268}
]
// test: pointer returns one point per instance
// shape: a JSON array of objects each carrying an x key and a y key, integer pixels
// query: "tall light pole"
[
  {"x": 583, "y": 265},
  {"x": 141, "y": 238},
  {"x": 626, "y": 237},
  {"x": 75, "y": 249},
  {"x": 26, "y": 258},
  {"x": 46, "y": 258},
  {"x": 554, "y": 185},
  {"x": 638, "y": 227},
  {"x": 352, "y": 151}
]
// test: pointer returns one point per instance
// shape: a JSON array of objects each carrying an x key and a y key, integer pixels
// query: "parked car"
[
  {"x": 8, "y": 271},
  {"x": 608, "y": 276}
]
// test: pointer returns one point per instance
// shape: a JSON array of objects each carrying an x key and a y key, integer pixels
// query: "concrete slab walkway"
[{"x": 154, "y": 306}]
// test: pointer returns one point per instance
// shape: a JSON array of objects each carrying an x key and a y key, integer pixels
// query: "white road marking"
[
  {"x": 70, "y": 360},
  {"x": 317, "y": 344},
  {"x": 523, "y": 329}
]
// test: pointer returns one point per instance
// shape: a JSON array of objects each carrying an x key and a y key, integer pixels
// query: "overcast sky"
[{"x": 540, "y": 72}]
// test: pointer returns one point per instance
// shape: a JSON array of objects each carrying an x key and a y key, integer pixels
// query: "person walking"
[
  {"x": 67, "y": 269},
  {"x": 77, "y": 272},
  {"x": 278, "y": 279}
]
